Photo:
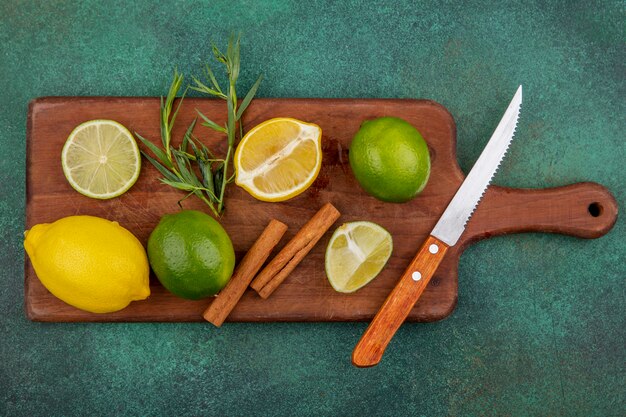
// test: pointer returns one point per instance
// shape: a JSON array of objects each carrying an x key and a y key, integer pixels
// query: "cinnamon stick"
[
  {"x": 226, "y": 300},
  {"x": 269, "y": 288},
  {"x": 287, "y": 259}
]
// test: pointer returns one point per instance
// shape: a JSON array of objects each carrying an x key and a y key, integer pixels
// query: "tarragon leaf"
[
  {"x": 210, "y": 123},
  {"x": 218, "y": 54},
  {"x": 233, "y": 57},
  {"x": 211, "y": 76},
  {"x": 248, "y": 98},
  {"x": 203, "y": 88},
  {"x": 156, "y": 151},
  {"x": 185, "y": 168},
  {"x": 179, "y": 185},
  {"x": 183, "y": 146},
  {"x": 166, "y": 172}
]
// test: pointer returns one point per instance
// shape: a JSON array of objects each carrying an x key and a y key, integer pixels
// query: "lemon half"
[{"x": 279, "y": 159}]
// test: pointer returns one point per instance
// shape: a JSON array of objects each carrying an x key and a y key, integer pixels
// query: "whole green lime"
[
  {"x": 191, "y": 254},
  {"x": 390, "y": 159}
]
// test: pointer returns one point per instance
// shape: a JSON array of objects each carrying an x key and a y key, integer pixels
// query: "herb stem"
[
  {"x": 220, "y": 206},
  {"x": 216, "y": 212}
]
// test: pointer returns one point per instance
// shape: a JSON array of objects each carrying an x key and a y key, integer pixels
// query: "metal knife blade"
[{"x": 453, "y": 221}]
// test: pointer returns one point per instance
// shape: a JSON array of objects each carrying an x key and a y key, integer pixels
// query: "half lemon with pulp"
[{"x": 279, "y": 159}]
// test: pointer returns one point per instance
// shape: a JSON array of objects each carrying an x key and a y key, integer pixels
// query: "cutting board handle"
[{"x": 586, "y": 210}]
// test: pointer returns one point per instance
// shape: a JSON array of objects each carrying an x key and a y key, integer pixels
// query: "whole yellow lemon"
[{"x": 90, "y": 263}]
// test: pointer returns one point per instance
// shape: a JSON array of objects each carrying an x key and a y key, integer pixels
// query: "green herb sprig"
[{"x": 178, "y": 165}]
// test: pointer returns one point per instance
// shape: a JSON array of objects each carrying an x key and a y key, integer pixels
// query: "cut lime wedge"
[
  {"x": 101, "y": 159},
  {"x": 356, "y": 254}
]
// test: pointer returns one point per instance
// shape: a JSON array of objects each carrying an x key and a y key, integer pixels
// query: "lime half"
[
  {"x": 356, "y": 254},
  {"x": 101, "y": 159}
]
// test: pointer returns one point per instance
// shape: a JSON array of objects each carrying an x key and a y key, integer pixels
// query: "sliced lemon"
[
  {"x": 356, "y": 254},
  {"x": 101, "y": 159},
  {"x": 279, "y": 159}
]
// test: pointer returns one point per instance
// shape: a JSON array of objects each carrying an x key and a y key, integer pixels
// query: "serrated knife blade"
[
  {"x": 411, "y": 285},
  {"x": 452, "y": 223}
]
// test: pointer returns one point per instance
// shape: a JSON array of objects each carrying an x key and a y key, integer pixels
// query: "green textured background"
[{"x": 540, "y": 326}]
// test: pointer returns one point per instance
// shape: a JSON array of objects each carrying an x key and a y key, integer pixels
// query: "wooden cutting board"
[{"x": 585, "y": 210}]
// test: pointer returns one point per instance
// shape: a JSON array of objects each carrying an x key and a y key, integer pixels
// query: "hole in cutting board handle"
[{"x": 595, "y": 209}]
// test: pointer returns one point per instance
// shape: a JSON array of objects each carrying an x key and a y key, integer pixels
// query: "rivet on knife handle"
[{"x": 399, "y": 303}]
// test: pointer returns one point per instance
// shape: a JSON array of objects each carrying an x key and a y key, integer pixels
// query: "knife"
[{"x": 369, "y": 350}]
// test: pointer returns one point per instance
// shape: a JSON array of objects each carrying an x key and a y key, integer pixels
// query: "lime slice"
[
  {"x": 101, "y": 159},
  {"x": 356, "y": 253}
]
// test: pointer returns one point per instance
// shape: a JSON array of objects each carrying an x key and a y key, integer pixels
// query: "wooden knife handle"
[
  {"x": 586, "y": 210},
  {"x": 399, "y": 303}
]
